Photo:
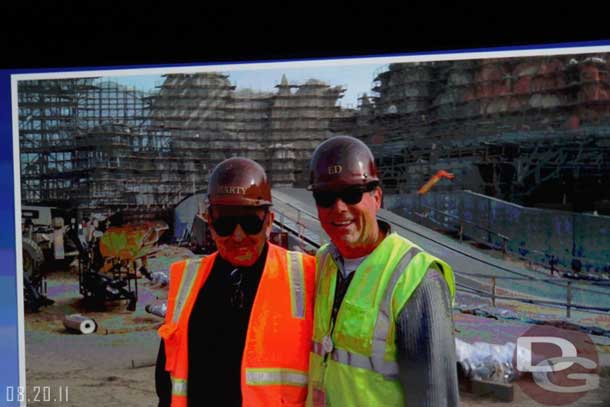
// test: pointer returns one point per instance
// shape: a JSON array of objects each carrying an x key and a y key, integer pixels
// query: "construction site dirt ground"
[{"x": 115, "y": 365}]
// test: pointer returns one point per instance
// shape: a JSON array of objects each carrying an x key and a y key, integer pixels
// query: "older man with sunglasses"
[
  {"x": 239, "y": 322},
  {"x": 383, "y": 330}
]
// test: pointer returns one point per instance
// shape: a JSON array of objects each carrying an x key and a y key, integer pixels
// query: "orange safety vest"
[{"x": 278, "y": 341}]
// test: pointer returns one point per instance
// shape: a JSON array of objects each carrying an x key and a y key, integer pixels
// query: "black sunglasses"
[
  {"x": 350, "y": 195},
  {"x": 251, "y": 224}
]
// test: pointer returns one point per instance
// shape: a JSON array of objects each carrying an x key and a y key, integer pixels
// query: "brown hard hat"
[
  {"x": 239, "y": 181},
  {"x": 341, "y": 161}
]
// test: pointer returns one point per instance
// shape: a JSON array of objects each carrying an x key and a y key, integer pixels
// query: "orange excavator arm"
[{"x": 433, "y": 180}]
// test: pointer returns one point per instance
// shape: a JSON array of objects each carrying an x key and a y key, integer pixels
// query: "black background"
[{"x": 112, "y": 34}]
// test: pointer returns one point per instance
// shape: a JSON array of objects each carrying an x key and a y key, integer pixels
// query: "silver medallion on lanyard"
[
  {"x": 342, "y": 285},
  {"x": 327, "y": 345}
]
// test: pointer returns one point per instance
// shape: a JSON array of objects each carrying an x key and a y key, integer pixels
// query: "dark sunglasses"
[
  {"x": 251, "y": 224},
  {"x": 350, "y": 195}
]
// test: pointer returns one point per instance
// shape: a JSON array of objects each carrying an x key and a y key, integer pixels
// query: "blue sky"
[{"x": 356, "y": 78}]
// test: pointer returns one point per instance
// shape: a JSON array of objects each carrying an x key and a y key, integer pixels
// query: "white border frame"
[{"x": 232, "y": 67}]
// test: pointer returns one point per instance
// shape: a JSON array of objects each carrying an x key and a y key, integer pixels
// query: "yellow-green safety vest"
[{"x": 357, "y": 365}]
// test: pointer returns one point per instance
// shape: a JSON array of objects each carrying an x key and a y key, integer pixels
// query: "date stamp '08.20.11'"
[{"x": 57, "y": 396}]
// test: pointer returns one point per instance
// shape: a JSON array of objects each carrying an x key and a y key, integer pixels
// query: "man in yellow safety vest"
[{"x": 383, "y": 328}]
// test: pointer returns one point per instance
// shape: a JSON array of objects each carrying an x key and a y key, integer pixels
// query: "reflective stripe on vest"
[
  {"x": 297, "y": 284},
  {"x": 275, "y": 356},
  {"x": 186, "y": 285},
  {"x": 317, "y": 348},
  {"x": 376, "y": 361},
  {"x": 178, "y": 386},
  {"x": 271, "y": 376}
]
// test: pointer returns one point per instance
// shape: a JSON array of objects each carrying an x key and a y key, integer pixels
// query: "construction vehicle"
[
  {"x": 110, "y": 265},
  {"x": 109, "y": 259},
  {"x": 47, "y": 227},
  {"x": 47, "y": 244}
]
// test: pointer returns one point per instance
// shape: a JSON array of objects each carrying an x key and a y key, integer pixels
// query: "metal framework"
[
  {"x": 101, "y": 147},
  {"x": 503, "y": 126}
]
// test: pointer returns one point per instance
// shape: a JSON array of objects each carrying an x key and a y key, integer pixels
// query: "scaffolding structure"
[
  {"x": 503, "y": 126},
  {"x": 208, "y": 119},
  {"x": 58, "y": 123},
  {"x": 100, "y": 147},
  {"x": 299, "y": 122}
]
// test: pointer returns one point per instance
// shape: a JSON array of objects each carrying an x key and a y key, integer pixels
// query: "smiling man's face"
[{"x": 353, "y": 228}]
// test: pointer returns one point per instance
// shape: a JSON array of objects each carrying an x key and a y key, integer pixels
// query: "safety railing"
[
  {"x": 550, "y": 265},
  {"x": 460, "y": 229},
  {"x": 582, "y": 242},
  {"x": 493, "y": 294},
  {"x": 295, "y": 225}
]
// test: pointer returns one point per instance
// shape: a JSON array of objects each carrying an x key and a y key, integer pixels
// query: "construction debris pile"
[{"x": 488, "y": 361}]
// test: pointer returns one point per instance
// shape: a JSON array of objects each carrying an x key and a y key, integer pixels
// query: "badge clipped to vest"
[{"x": 327, "y": 344}]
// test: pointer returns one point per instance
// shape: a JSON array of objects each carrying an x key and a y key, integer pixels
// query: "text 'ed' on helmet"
[
  {"x": 341, "y": 161},
  {"x": 239, "y": 181}
]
